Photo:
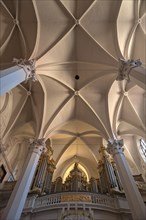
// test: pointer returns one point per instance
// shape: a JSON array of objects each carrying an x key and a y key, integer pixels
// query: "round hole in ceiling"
[{"x": 77, "y": 77}]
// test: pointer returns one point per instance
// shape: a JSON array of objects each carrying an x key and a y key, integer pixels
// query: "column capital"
[
  {"x": 37, "y": 145},
  {"x": 28, "y": 66},
  {"x": 125, "y": 66},
  {"x": 115, "y": 147}
]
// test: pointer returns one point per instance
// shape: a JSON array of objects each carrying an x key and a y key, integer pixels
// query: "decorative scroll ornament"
[
  {"x": 125, "y": 68},
  {"x": 100, "y": 164},
  {"x": 28, "y": 66},
  {"x": 37, "y": 142},
  {"x": 115, "y": 146},
  {"x": 103, "y": 152},
  {"x": 51, "y": 166},
  {"x": 49, "y": 150}
]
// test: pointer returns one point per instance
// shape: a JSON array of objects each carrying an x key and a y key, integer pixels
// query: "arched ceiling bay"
[
  {"x": 18, "y": 35},
  {"x": 76, "y": 141},
  {"x": 73, "y": 132},
  {"x": 131, "y": 29}
]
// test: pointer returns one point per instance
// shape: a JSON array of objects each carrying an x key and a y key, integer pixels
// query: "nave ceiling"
[{"x": 69, "y": 38}]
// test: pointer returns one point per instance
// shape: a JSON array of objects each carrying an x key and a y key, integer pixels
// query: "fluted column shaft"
[
  {"x": 135, "y": 201},
  {"x": 18, "y": 197}
]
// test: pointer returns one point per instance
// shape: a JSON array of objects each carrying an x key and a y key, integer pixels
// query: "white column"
[
  {"x": 133, "y": 196},
  {"x": 18, "y": 197},
  {"x": 13, "y": 76}
]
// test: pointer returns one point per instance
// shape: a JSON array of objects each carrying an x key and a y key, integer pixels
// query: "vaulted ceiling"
[{"x": 71, "y": 38}]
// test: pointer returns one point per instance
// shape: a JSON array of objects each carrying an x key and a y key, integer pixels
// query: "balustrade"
[{"x": 81, "y": 198}]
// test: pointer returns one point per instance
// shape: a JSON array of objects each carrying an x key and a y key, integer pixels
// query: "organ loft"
[{"x": 108, "y": 181}]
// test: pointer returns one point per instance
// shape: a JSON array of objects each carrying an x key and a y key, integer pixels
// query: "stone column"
[
  {"x": 13, "y": 76},
  {"x": 18, "y": 197},
  {"x": 135, "y": 201}
]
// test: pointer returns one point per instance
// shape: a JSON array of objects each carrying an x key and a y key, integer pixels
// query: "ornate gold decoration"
[
  {"x": 74, "y": 197},
  {"x": 100, "y": 163}
]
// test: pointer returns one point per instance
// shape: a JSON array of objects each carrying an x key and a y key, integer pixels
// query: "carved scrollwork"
[
  {"x": 28, "y": 66},
  {"x": 37, "y": 142},
  {"x": 115, "y": 146},
  {"x": 125, "y": 67}
]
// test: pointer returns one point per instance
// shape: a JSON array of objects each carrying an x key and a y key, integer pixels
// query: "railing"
[
  {"x": 48, "y": 200},
  {"x": 35, "y": 202},
  {"x": 103, "y": 200}
]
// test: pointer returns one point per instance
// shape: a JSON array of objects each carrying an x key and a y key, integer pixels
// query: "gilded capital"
[{"x": 115, "y": 146}]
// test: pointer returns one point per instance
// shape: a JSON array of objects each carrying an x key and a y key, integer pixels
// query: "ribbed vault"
[{"x": 69, "y": 38}]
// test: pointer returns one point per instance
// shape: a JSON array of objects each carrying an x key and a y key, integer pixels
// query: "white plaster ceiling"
[{"x": 69, "y": 38}]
